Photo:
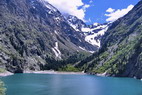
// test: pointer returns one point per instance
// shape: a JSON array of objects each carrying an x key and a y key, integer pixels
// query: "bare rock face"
[{"x": 33, "y": 31}]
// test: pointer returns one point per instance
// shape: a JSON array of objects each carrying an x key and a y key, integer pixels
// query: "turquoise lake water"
[{"x": 43, "y": 84}]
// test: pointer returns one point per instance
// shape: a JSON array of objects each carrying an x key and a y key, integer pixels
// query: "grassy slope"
[{"x": 121, "y": 51}]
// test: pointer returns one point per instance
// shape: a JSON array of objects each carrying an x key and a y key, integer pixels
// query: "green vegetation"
[
  {"x": 112, "y": 65},
  {"x": 2, "y": 70},
  {"x": 2, "y": 89},
  {"x": 2, "y": 49},
  {"x": 121, "y": 51},
  {"x": 69, "y": 68},
  {"x": 64, "y": 65}
]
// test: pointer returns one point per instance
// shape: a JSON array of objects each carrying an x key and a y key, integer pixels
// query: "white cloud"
[
  {"x": 115, "y": 14},
  {"x": 85, "y": 7},
  {"x": 110, "y": 10},
  {"x": 72, "y": 7},
  {"x": 91, "y": 1}
]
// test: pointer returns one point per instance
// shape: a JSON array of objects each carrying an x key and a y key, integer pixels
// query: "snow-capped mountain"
[
  {"x": 94, "y": 32},
  {"x": 91, "y": 33},
  {"x": 76, "y": 23}
]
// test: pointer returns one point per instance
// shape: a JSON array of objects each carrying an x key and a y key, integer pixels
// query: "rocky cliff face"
[
  {"x": 32, "y": 31},
  {"x": 121, "y": 48}
]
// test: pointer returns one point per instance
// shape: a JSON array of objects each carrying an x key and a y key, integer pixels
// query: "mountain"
[
  {"x": 90, "y": 33},
  {"x": 121, "y": 48},
  {"x": 34, "y": 34}
]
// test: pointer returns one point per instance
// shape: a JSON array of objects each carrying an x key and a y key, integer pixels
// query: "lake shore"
[
  {"x": 102, "y": 75},
  {"x": 54, "y": 72},
  {"x": 6, "y": 73}
]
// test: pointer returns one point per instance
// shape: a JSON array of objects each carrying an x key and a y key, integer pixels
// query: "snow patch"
[
  {"x": 56, "y": 32},
  {"x": 56, "y": 50},
  {"x": 91, "y": 38},
  {"x": 57, "y": 18},
  {"x": 90, "y": 33},
  {"x": 100, "y": 27},
  {"x": 96, "y": 24},
  {"x": 73, "y": 26},
  {"x": 86, "y": 29},
  {"x": 82, "y": 48},
  {"x": 34, "y": 7},
  {"x": 85, "y": 49}
]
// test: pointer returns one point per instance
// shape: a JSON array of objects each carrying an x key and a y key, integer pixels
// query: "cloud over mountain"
[
  {"x": 113, "y": 14},
  {"x": 72, "y": 7}
]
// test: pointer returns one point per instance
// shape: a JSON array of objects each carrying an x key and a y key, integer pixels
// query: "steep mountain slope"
[
  {"x": 121, "y": 48},
  {"x": 90, "y": 33},
  {"x": 32, "y": 32}
]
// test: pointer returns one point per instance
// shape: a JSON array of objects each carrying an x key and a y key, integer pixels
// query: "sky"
[{"x": 95, "y": 11}]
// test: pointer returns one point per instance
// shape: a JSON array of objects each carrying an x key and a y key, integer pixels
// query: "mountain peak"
[
  {"x": 48, "y": 5},
  {"x": 92, "y": 33}
]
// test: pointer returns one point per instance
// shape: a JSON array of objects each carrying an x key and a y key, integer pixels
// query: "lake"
[{"x": 60, "y": 84}]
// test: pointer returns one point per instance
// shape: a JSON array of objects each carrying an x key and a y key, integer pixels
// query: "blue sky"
[
  {"x": 92, "y": 11},
  {"x": 96, "y": 12}
]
